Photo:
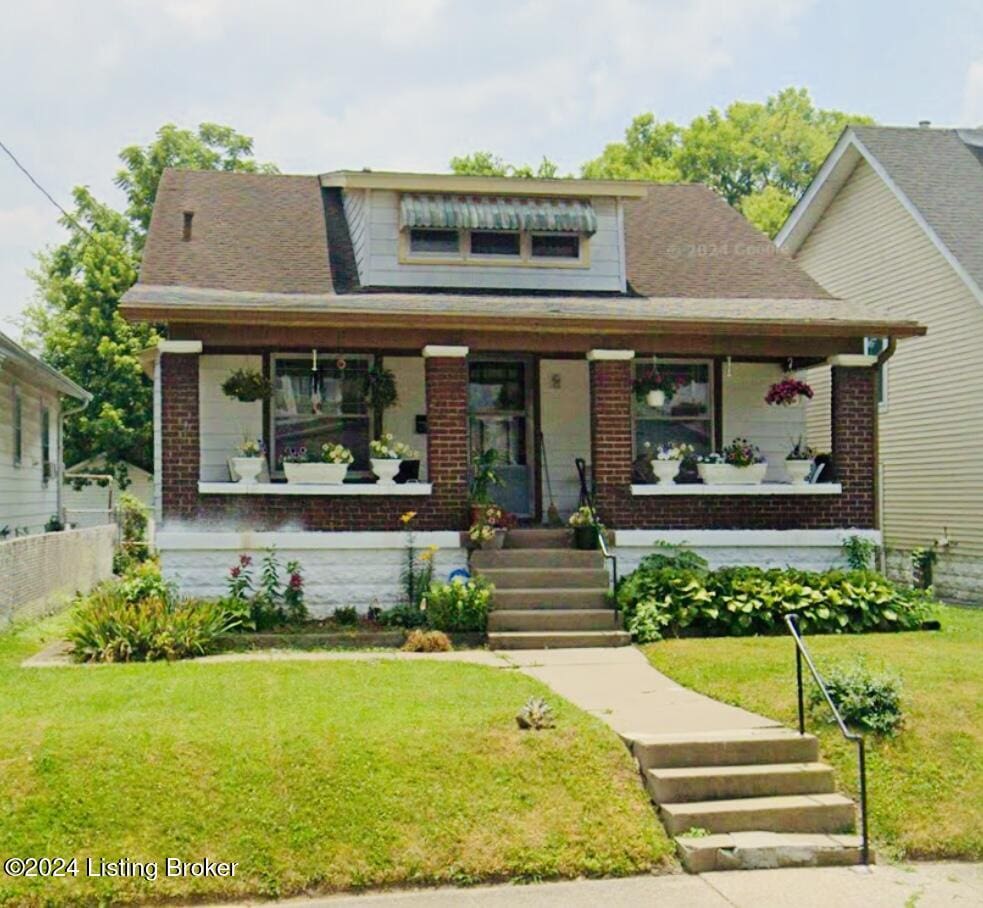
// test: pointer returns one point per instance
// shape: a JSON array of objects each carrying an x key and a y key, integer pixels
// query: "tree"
[
  {"x": 648, "y": 153},
  {"x": 486, "y": 164},
  {"x": 74, "y": 323}
]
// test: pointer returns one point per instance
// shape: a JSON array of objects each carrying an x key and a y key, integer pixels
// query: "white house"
[{"x": 94, "y": 502}]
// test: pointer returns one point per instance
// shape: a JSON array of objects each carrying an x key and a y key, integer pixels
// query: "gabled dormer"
[{"x": 442, "y": 231}]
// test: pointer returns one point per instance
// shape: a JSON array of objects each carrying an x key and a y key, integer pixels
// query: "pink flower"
[
  {"x": 235, "y": 571},
  {"x": 245, "y": 560},
  {"x": 296, "y": 581}
]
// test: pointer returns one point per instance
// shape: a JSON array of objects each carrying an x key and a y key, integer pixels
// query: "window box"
[
  {"x": 728, "y": 474},
  {"x": 316, "y": 473}
]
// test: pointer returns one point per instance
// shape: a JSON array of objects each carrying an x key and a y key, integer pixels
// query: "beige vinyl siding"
[
  {"x": 25, "y": 500},
  {"x": 867, "y": 248}
]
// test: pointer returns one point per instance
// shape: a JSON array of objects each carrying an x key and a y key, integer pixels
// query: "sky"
[{"x": 407, "y": 85}]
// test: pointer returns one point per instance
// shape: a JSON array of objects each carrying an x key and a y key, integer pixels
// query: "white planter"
[
  {"x": 497, "y": 541},
  {"x": 715, "y": 474},
  {"x": 330, "y": 474},
  {"x": 665, "y": 470},
  {"x": 798, "y": 470},
  {"x": 655, "y": 399},
  {"x": 385, "y": 469},
  {"x": 248, "y": 469}
]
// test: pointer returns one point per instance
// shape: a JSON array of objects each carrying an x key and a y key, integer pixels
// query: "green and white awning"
[{"x": 484, "y": 213}]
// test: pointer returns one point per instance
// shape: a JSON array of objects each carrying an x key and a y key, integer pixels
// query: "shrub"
[
  {"x": 420, "y": 641},
  {"x": 406, "y": 616},
  {"x": 461, "y": 605},
  {"x": 144, "y": 581},
  {"x": 859, "y": 552},
  {"x": 269, "y": 602},
  {"x": 672, "y": 592},
  {"x": 867, "y": 701},
  {"x": 346, "y": 615},
  {"x": 133, "y": 517}
]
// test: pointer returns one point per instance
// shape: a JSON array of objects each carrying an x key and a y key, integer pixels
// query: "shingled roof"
[{"x": 264, "y": 233}]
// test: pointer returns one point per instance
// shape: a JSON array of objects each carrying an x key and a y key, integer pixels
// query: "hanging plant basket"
[
  {"x": 247, "y": 385},
  {"x": 380, "y": 388},
  {"x": 654, "y": 388},
  {"x": 788, "y": 392}
]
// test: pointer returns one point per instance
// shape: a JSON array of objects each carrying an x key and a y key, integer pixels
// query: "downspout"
[{"x": 883, "y": 357}]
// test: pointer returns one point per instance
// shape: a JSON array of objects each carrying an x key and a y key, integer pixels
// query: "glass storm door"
[{"x": 499, "y": 417}]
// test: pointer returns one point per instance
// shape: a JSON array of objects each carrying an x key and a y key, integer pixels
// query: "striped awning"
[{"x": 484, "y": 213}]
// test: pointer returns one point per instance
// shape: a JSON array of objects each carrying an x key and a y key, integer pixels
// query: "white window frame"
[
  {"x": 525, "y": 258},
  {"x": 711, "y": 416}
]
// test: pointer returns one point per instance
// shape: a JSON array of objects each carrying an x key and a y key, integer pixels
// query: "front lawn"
[
  {"x": 925, "y": 783},
  {"x": 314, "y": 776}
]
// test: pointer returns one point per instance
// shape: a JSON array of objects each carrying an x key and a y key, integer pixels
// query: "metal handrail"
[
  {"x": 586, "y": 498},
  {"x": 802, "y": 652}
]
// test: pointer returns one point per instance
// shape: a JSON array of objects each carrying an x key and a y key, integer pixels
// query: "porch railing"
[
  {"x": 587, "y": 499},
  {"x": 802, "y": 655}
]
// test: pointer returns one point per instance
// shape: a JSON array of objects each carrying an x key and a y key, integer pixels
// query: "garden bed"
[{"x": 353, "y": 638}]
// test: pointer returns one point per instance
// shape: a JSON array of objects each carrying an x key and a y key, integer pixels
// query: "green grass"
[
  {"x": 314, "y": 776},
  {"x": 926, "y": 782}
]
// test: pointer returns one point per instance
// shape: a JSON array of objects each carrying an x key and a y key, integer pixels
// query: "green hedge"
[{"x": 673, "y": 592}]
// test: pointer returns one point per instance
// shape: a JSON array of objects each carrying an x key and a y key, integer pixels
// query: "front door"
[{"x": 500, "y": 417}]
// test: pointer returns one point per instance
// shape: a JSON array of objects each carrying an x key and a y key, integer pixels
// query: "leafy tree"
[
  {"x": 486, "y": 164},
  {"x": 648, "y": 153},
  {"x": 74, "y": 323}
]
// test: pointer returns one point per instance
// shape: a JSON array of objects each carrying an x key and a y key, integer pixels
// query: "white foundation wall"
[
  {"x": 565, "y": 423},
  {"x": 412, "y": 402},
  {"x": 810, "y": 550},
  {"x": 339, "y": 569},
  {"x": 224, "y": 422},
  {"x": 746, "y": 415}
]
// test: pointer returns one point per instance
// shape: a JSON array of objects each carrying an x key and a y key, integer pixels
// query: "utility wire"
[{"x": 44, "y": 191}]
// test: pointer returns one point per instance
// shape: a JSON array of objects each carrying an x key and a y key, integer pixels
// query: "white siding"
[
  {"x": 224, "y": 422},
  {"x": 565, "y": 423},
  {"x": 25, "y": 500},
  {"x": 90, "y": 505},
  {"x": 746, "y": 415},
  {"x": 411, "y": 388},
  {"x": 354, "y": 201},
  {"x": 867, "y": 248},
  {"x": 384, "y": 269}
]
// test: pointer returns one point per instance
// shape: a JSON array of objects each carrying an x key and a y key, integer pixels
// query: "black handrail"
[
  {"x": 802, "y": 652},
  {"x": 587, "y": 499}
]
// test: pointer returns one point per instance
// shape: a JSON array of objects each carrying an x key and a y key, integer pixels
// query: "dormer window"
[
  {"x": 426, "y": 241},
  {"x": 554, "y": 246},
  {"x": 495, "y": 242}
]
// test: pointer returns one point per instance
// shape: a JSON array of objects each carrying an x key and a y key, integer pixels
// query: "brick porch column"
[
  {"x": 610, "y": 428},
  {"x": 178, "y": 429},
  {"x": 854, "y": 431},
  {"x": 447, "y": 432}
]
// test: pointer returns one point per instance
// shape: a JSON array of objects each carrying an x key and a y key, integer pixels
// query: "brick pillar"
[
  {"x": 447, "y": 432},
  {"x": 610, "y": 428},
  {"x": 180, "y": 446},
  {"x": 854, "y": 422}
]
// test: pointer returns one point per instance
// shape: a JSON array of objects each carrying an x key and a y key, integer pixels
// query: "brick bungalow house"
[{"x": 513, "y": 314}]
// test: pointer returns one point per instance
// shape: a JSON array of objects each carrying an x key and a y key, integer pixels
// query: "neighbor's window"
[
  {"x": 495, "y": 242},
  {"x": 875, "y": 346},
  {"x": 685, "y": 418},
  {"x": 314, "y": 407},
  {"x": 18, "y": 425},
  {"x": 45, "y": 444},
  {"x": 555, "y": 246},
  {"x": 425, "y": 240}
]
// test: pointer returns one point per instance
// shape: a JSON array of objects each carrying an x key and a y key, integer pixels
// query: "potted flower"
[
  {"x": 387, "y": 455},
  {"x": 585, "y": 528},
  {"x": 301, "y": 466},
  {"x": 654, "y": 388},
  {"x": 740, "y": 463},
  {"x": 248, "y": 461},
  {"x": 483, "y": 477},
  {"x": 666, "y": 459},
  {"x": 788, "y": 392},
  {"x": 484, "y": 534},
  {"x": 247, "y": 385},
  {"x": 798, "y": 463}
]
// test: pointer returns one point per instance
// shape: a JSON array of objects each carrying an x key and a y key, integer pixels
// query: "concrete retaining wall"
[
  {"x": 38, "y": 574},
  {"x": 956, "y": 578}
]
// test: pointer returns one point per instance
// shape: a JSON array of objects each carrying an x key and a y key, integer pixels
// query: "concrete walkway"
[{"x": 921, "y": 885}]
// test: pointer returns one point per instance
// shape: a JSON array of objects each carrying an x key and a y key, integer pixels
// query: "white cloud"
[{"x": 972, "y": 113}]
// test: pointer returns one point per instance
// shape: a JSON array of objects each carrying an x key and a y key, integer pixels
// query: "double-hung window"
[
  {"x": 320, "y": 400},
  {"x": 686, "y": 416}
]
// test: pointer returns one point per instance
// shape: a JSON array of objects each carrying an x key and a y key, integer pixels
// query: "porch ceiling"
[{"x": 508, "y": 313}]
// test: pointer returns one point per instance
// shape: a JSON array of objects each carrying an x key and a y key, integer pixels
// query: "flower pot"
[
  {"x": 497, "y": 541},
  {"x": 798, "y": 470},
  {"x": 665, "y": 470},
  {"x": 330, "y": 474},
  {"x": 727, "y": 474},
  {"x": 386, "y": 469},
  {"x": 655, "y": 399},
  {"x": 248, "y": 469},
  {"x": 585, "y": 538}
]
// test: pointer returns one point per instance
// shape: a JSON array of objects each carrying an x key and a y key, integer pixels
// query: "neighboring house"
[
  {"x": 31, "y": 395},
  {"x": 94, "y": 501},
  {"x": 894, "y": 219},
  {"x": 504, "y": 308}
]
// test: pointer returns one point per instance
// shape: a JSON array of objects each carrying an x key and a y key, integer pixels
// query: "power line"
[{"x": 44, "y": 191}]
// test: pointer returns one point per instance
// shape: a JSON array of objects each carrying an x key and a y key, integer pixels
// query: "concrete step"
[
  {"x": 549, "y": 598},
  {"x": 538, "y": 539},
  {"x": 537, "y": 578},
  {"x": 548, "y": 620},
  {"x": 557, "y": 639},
  {"x": 757, "y": 850},
  {"x": 773, "y": 744},
  {"x": 535, "y": 558},
  {"x": 706, "y": 783},
  {"x": 783, "y": 813}
]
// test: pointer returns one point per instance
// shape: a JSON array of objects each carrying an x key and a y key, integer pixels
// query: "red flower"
[
  {"x": 245, "y": 560},
  {"x": 235, "y": 571},
  {"x": 296, "y": 581}
]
